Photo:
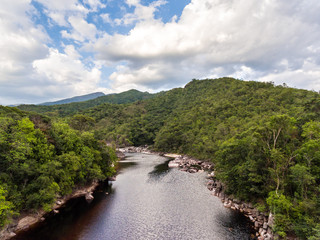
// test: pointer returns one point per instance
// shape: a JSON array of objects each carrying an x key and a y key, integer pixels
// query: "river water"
[{"x": 147, "y": 201}]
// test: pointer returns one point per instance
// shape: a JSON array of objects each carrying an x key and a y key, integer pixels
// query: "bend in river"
[{"x": 147, "y": 201}]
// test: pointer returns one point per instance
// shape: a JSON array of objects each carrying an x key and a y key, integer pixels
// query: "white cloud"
[
  {"x": 59, "y": 10},
  {"x": 265, "y": 40},
  {"x": 141, "y": 12},
  {"x": 21, "y": 43},
  {"x": 95, "y": 4},
  {"x": 106, "y": 18},
  {"x": 81, "y": 29},
  {"x": 65, "y": 74},
  {"x": 29, "y": 69},
  {"x": 306, "y": 77},
  {"x": 238, "y": 38}
]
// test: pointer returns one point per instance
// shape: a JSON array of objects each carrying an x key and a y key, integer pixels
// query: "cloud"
[
  {"x": 81, "y": 29},
  {"x": 56, "y": 49},
  {"x": 65, "y": 74},
  {"x": 30, "y": 71},
  {"x": 141, "y": 12},
  {"x": 236, "y": 38},
  {"x": 21, "y": 43},
  {"x": 59, "y": 10}
]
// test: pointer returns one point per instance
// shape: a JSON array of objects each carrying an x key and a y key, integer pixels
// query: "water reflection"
[
  {"x": 159, "y": 171},
  {"x": 148, "y": 201}
]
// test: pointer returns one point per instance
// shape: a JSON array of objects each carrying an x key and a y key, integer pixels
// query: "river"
[{"x": 147, "y": 201}]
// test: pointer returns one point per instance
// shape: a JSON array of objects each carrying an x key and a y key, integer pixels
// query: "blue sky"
[{"x": 63, "y": 48}]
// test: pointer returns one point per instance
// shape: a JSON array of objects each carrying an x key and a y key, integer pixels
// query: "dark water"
[{"x": 148, "y": 201}]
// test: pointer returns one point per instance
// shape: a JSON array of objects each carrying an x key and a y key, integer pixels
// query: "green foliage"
[
  {"x": 281, "y": 206},
  {"x": 5, "y": 207},
  {"x": 76, "y": 107},
  {"x": 41, "y": 159},
  {"x": 263, "y": 139}
]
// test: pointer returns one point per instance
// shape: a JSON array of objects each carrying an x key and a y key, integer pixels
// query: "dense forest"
[
  {"x": 76, "y": 107},
  {"x": 263, "y": 139},
  {"x": 81, "y": 98},
  {"x": 42, "y": 159}
]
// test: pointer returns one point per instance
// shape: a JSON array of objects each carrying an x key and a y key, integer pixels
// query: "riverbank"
[
  {"x": 27, "y": 221},
  {"x": 262, "y": 221}
]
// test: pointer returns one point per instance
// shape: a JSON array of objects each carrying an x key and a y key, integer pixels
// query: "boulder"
[
  {"x": 270, "y": 220},
  {"x": 89, "y": 197},
  {"x": 25, "y": 223},
  {"x": 173, "y": 163},
  {"x": 256, "y": 224},
  {"x": 265, "y": 225}
]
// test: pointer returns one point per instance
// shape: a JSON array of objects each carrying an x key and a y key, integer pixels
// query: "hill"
[
  {"x": 41, "y": 159},
  {"x": 75, "y": 99},
  {"x": 263, "y": 139},
  {"x": 75, "y": 107}
]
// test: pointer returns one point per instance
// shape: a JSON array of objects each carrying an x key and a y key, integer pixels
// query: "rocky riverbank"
[
  {"x": 262, "y": 221},
  {"x": 28, "y": 220}
]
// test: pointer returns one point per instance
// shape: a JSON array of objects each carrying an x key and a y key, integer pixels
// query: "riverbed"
[{"x": 147, "y": 201}]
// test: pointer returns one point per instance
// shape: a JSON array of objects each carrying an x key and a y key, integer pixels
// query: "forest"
[
  {"x": 42, "y": 159},
  {"x": 264, "y": 141}
]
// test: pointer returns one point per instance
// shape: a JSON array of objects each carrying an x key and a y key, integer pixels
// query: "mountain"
[
  {"x": 72, "y": 108},
  {"x": 264, "y": 140},
  {"x": 75, "y": 99}
]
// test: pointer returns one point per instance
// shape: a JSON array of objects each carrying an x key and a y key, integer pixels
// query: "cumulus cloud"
[
  {"x": 59, "y": 10},
  {"x": 81, "y": 29},
  {"x": 29, "y": 69},
  {"x": 21, "y": 42},
  {"x": 141, "y": 12},
  {"x": 253, "y": 39},
  {"x": 65, "y": 73},
  {"x": 264, "y": 40}
]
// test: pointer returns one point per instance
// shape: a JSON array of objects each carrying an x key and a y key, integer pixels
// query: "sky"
[{"x": 55, "y": 49}]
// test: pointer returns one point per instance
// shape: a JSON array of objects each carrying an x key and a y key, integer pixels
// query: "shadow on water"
[
  {"x": 159, "y": 171},
  {"x": 138, "y": 209},
  {"x": 57, "y": 226},
  {"x": 240, "y": 221},
  {"x": 122, "y": 165}
]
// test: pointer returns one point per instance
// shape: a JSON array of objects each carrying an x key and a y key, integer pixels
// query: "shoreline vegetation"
[
  {"x": 43, "y": 163},
  {"x": 262, "y": 222},
  {"x": 263, "y": 139},
  {"x": 28, "y": 221}
]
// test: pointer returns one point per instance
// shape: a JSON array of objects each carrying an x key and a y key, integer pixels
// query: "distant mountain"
[
  {"x": 75, "y": 99},
  {"x": 74, "y": 107}
]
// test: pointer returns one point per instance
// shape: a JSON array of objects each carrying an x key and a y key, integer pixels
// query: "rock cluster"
[
  {"x": 132, "y": 149},
  {"x": 262, "y": 221},
  {"x": 188, "y": 164}
]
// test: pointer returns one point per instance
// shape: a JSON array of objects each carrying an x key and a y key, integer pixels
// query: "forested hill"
[
  {"x": 42, "y": 159},
  {"x": 75, "y": 99},
  {"x": 72, "y": 108},
  {"x": 263, "y": 139}
]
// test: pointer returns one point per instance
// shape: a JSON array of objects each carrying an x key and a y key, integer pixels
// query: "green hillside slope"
[
  {"x": 41, "y": 159},
  {"x": 75, "y": 107},
  {"x": 75, "y": 99},
  {"x": 263, "y": 139}
]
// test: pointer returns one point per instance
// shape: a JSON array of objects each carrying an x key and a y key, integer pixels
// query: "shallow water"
[{"x": 147, "y": 201}]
